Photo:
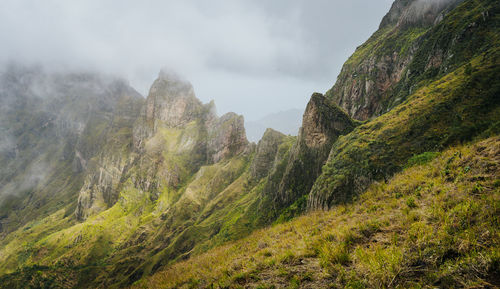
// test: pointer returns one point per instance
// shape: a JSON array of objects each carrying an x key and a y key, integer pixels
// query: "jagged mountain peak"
[
  {"x": 266, "y": 152},
  {"x": 409, "y": 45},
  {"x": 174, "y": 137},
  {"x": 172, "y": 179},
  {"x": 172, "y": 85},
  {"x": 172, "y": 101},
  {"x": 226, "y": 136}
]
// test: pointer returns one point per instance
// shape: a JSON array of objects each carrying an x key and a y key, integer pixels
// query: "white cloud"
[{"x": 275, "y": 52}]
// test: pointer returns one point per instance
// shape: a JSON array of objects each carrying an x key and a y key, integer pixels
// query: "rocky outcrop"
[
  {"x": 422, "y": 13},
  {"x": 173, "y": 137},
  {"x": 323, "y": 122},
  {"x": 392, "y": 17},
  {"x": 422, "y": 101},
  {"x": 416, "y": 12},
  {"x": 360, "y": 90},
  {"x": 113, "y": 156},
  {"x": 171, "y": 102},
  {"x": 377, "y": 76},
  {"x": 226, "y": 137},
  {"x": 101, "y": 185},
  {"x": 52, "y": 125},
  {"x": 265, "y": 154}
]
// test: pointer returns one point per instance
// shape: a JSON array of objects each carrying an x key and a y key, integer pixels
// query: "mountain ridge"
[{"x": 138, "y": 195}]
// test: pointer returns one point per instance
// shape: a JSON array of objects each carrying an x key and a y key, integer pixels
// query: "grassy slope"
[
  {"x": 434, "y": 224},
  {"x": 46, "y": 142},
  {"x": 451, "y": 109},
  {"x": 454, "y": 108},
  {"x": 139, "y": 235},
  {"x": 105, "y": 241}
]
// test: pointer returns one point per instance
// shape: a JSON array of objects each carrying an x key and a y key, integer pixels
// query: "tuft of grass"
[
  {"x": 289, "y": 258},
  {"x": 381, "y": 264},
  {"x": 331, "y": 254},
  {"x": 421, "y": 159},
  {"x": 410, "y": 202}
]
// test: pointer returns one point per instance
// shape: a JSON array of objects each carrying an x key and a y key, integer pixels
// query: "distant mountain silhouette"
[{"x": 287, "y": 122}]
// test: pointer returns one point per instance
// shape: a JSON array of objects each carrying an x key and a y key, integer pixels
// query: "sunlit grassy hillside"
[{"x": 436, "y": 224}]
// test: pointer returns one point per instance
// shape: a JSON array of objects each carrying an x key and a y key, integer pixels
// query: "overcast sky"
[{"x": 253, "y": 57}]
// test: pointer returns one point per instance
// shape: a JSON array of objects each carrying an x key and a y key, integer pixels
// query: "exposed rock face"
[
  {"x": 392, "y": 17},
  {"x": 362, "y": 88},
  {"x": 265, "y": 154},
  {"x": 323, "y": 122},
  {"x": 444, "y": 44},
  {"x": 424, "y": 12},
  {"x": 368, "y": 83},
  {"x": 172, "y": 102},
  {"x": 99, "y": 190},
  {"x": 104, "y": 170},
  {"x": 416, "y": 12},
  {"x": 174, "y": 136},
  {"x": 226, "y": 137},
  {"x": 55, "y": 125}
]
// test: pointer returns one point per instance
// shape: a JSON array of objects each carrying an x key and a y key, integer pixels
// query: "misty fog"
[{"x": 251, "y": 57}]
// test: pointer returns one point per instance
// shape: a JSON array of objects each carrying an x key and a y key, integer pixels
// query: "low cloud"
[
  {"x": 34, "y": 176},
  {"x": 277, "y": 52},
  {"x": 426, "y": 9}
]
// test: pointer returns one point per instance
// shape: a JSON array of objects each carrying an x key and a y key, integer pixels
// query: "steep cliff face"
[
  {"x": 158, "y": 178},
  {"x": 226, "y": 137},
  {"x": 405, "y": 13},
  {"x": 171, "y": 103},
  {"x": 377, "y": 76},
  {"x": 174, "y": 136},
  {"x": 265, "y": 154},
  {"x": 450, "y": 90},
  {"x": 103, "y": 169},
  {"x": 323, "y": 122},
  {"x": 51, "y": 126}
]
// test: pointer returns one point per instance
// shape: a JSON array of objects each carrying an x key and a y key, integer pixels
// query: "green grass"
[
  {"x": 204, "y": 212},
  {"x": 167, "y": 204},
  {"x": 450, "y": 110},
  {"x": 435, "y": 224},
  {"x": 422, "y": 158},
  {"x": 449, "y": 239}
]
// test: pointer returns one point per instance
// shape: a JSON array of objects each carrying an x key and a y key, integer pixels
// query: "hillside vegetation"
[
  {"x": 403, "y": 150},
  {"x": 436, "y": 224},
  {"x": 455, "y": 108}
]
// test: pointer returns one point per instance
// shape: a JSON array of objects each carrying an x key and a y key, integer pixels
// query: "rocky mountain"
[
  {"x": 169, "y": 179},
  {"x": 52, "y": 125},
  {"x": 386, "y": 68},
  {"x": 445, "y": 93},
  {"x": 408, "y": 232},
  {"x": 103, "y": 188},
  {"x": 174, "y": 136},
  {"x": 323, "y": 123}
]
